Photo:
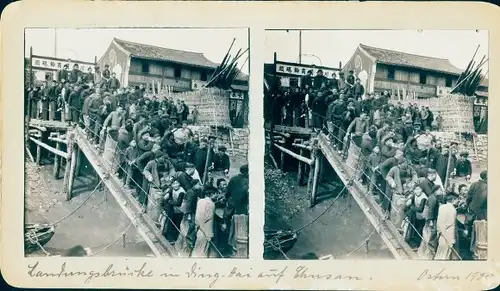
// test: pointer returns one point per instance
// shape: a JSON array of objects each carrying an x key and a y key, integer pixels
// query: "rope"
[
  {"x": 114, "y": 241},
  {"x": 79, "y": 206}
]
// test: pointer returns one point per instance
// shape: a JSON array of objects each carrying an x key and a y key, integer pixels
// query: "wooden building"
[
  {"x": 414, "y": 75},
  {"x": 181, "y": 71}
]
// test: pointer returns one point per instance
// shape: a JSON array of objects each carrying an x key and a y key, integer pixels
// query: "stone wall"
[
  {"x": 466, "y": 142},
  {"x": 239, "y": 146}
]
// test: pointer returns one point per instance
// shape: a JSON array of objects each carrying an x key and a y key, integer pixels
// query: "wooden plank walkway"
[
  {"x": 52, "y": 124},
  {"x": 390, "y": 235},
  {"x": 144, "y": 225},
  {"x": 290, "y": 129}
]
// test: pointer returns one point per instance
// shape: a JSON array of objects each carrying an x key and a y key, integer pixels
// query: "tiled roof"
[
  {"x": 391, "y": 57},
  {"x": 164, "y": 54}
]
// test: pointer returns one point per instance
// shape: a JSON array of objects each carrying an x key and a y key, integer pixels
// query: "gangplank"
[
  {"x": 144, "y": 225},
  {"x": 389, "y": 234}
]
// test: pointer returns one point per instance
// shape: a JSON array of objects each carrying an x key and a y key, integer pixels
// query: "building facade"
[
  {"x": 401, "y": 73},
  {"x": 180, "y": 71}
]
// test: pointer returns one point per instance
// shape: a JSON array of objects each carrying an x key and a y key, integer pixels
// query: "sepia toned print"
[
  {"x": 134, "y": 149},
  {"x": 376, "y": 148}
]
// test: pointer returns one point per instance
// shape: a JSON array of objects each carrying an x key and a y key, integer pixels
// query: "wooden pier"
[
  {"x": 77, "y": 146},
  {"x": 320, "y": 149}
]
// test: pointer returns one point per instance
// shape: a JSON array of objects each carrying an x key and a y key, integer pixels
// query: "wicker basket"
[
  {"x": 212, "y": 104},
  {"x": 456, "y": 110}
]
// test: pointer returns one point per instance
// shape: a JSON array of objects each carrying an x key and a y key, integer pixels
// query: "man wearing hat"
[
  {"x": 220, "y": 165},
  {"x": 106, "y": 73},
  {"x": 462, "y": 171},
  {"x": 306, "y": 80},
  {"x": 152, "y": 173},
  {"x": 442, "y": 163}
]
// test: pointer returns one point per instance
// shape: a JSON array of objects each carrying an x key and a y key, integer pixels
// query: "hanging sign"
[
  {"x": 301, "y": 70},
  {"x": 38, "y": 62}
]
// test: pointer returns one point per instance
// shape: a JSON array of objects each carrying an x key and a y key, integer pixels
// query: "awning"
[{"x": 239, "y": 87}]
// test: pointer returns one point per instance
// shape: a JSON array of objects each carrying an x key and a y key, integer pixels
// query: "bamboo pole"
[
  {"x": 447, "y": 176},
  {"x": 57, "y": 162},
  {"x": 282, "y": 158},
  {"x": 49, "y": 148},
  {"x": 296, "y": 156},
  {"x": 68, "y": 175}
]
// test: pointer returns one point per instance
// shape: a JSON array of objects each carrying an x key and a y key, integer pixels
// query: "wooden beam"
[
  {"x": 296, "y": 156},
  {"x": 144, "y": 225},
  {"x": 30, "y": 155},
  {"x": 68, "y": 175},
  {"x": 389, "y": 234},
  {"x": 302, "y": 146},
  {"x": 49, "y": 148},
  {"x": 59, "y": 140},
  {"x": 53, "y": 124}
]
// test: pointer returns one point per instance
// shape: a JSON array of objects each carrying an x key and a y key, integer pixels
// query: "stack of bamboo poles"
[
  {"x": 471, "y": 78},
  {"x": 227, "y": 71}
]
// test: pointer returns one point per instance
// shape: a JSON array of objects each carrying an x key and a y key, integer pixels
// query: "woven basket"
[
  {"x": 456, "y": 110},
  {"x": 212, "y": 104}
]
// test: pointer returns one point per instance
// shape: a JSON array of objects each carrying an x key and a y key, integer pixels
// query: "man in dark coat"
[
  {"x": 200, "y": 157},
  {"x": 319, "y": 80},
  {"x": 442, "y": 163},
  {"x": 113, "y": 83},
  {"x": 306, "y": 81},
  {"x": 74, "y": 74},
  {"x": 237, "y": 194},
  {"x": 358, "y": 89},
  {"x": 221, "y": 160},
  {"x": 75, "y": 103},
  {"x": 477, "y": 197}
]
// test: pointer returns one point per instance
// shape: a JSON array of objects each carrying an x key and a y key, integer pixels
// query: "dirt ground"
[{"x": 340, "y": 231}]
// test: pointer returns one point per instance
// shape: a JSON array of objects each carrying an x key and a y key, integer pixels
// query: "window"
[
  {"x": 204, "y": 75},
  {"x": 177, "y": 73},
  {"x": 449, "y": 82},
  {"x": 390, "y": 73},
  {"x": 423, "y": 78},
  {"x": 145, "y": 67}
]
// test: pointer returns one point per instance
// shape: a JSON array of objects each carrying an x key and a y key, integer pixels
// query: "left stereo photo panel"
[{"x": 136, "y": 142}]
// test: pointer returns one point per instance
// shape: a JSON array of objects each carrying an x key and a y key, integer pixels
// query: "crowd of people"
[
  {"x": 419, "y": 181},
  {"x": 179, "y": 177}
]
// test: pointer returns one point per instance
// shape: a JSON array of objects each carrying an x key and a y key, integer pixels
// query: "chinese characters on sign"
[
  {"x": 481, "y": 101},
  {"x": 52, "y": 64},
  {"x": 301, "y": 70}
]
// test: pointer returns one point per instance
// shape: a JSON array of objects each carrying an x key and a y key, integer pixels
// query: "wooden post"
[
  {"x": 69, "y": 173},
  {"x": 299, "y": 172},
  {"x": 38, "y": 154},
  {"x": 314, "y": 190},
  {"x": 310, "y": 180},
  {"x": 241, "y": 232},
  {"x": 79, "y": 161},
  {"x": 57, "y": 162},
  {"x": 282, "y": 158}
]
